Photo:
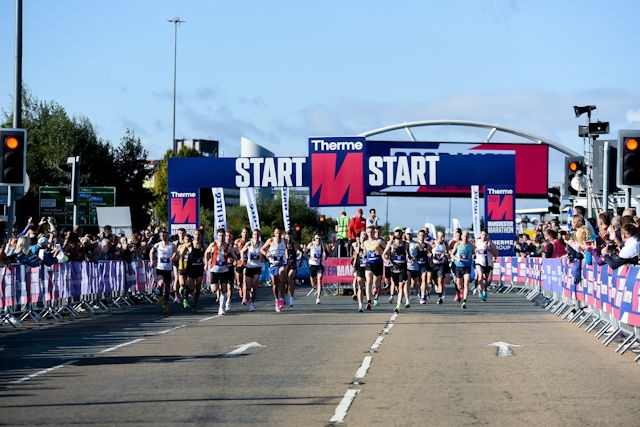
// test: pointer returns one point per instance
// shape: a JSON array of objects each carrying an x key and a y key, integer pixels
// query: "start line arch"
[{"x": 342, "y": 171}]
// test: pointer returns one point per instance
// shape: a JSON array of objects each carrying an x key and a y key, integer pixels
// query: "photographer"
[{"x": 628, "y": 254}]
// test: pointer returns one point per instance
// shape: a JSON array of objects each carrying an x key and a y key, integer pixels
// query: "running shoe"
[
  {"x": 397, "y": 310},
  {"x": 457, "y": 297},
  {"x": 244, "y": 301},
  {"x": 177, "y": 300},
  {"x": 375, "y": 292},
  {"x": 423, "y": 301},
  {"x": 354, "y": 297},
  {"x": 391, "y": 299},
  {"x": 291, "y": 302},
  {"x": 318, "y": 301},
  {"x": 360, "y": 310},
  {"x": 407, "y": 305},
  {"x": 375, "y": 303},
  {"x": 220, "y": 311},
  {"x": 185, "y": 304},
  {"x": 369, "y": 306},
  {"x": 464, "y": 304},
  {"x": 281, "y": 303},
  {"x": 160, "y": 300},
  {"x": 227, "y": 307},
  {"x": 252, "y": 307},
  {"x": 165, "y": 307},
  {"x": 439, "y": 300},
  {"x": 181, "y": 291},
  {"x": 278, "y": 308}
]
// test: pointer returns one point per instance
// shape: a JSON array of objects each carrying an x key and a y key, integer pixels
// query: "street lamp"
[{"x": 175, "y": 20}]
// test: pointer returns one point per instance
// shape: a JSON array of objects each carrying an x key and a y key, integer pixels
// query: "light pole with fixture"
[{"x": 175, "y": 20}]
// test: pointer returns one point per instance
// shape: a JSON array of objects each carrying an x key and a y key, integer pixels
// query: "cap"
[
  {"x": 591, "y": 238},
  {"x": 397, "y": 229},
  {"x": 43, "y": 241},
  {"x": 409, "y": 230},
  {"x": 359, "y": 210}
]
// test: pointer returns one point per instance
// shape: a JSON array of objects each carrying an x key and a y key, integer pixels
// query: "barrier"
[{"x": 598, "y": 295}]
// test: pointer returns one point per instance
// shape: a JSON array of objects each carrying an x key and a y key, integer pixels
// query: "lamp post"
[{"x": 175, "y": 20}]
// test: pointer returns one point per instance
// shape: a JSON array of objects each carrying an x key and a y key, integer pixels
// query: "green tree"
[{"x": 130, "y": 172}]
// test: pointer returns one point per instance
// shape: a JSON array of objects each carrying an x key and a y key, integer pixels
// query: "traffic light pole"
[{"x": 17, "y": 105}]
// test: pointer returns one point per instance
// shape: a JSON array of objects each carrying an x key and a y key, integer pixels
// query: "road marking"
[
  {"x": 343, "y": 407},
  {"x": 242, "y": 348},
  {"x": 387, "y": 328},
  {"x": 503, "y": 348},
  {"x": 120, "y": 345},
  {"x": 366, "y": 364},
  {"x": 376, "y": 344},
  {"x": 171, "y": 329},
  {"x": 44, "y": 371}
]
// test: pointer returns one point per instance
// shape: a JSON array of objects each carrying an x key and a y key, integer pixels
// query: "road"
[{"x": 317, "y": 365}]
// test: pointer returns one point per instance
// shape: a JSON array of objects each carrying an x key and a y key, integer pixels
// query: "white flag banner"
[
  {"x": 252, "y": 207},
  {"x": 220, "y": 209},
  {"x": 285, "y": 208},
  {"x": 455, "y": 224},
  {"x": 432, "y": 229},
  {"x": 475, "y": 207}
]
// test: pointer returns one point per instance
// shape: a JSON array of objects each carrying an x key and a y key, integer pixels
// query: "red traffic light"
[
  {"x": 574, "y": 166},
  {"x": 297, "y": 227},
  {"x": 322, "y": 218}
]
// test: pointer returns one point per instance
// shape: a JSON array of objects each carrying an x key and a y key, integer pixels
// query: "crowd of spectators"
[
  {"x": 614, "y": 241},
  {"x": 45, "y": 243}
]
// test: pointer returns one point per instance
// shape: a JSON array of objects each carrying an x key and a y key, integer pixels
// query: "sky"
[{"x": 280, "y": 72}]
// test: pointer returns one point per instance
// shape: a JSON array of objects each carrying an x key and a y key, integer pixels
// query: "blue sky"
[{"x": 279, "y": 72}]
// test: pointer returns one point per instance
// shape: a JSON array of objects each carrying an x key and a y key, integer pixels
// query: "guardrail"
[{"x": 601, "y": 298}]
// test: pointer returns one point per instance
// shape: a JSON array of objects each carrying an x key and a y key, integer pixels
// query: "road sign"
[{"x": 53, "y": 204}]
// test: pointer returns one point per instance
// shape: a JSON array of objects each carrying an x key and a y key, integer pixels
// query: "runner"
[
  {"x": 316, "y": 253},
  {"x": 215, "y": 258},
  {"x": 413, "y": 270},
  {"x": 251, "y": 251},
  {"x": 184, "y": 250},
  {"x": 195, "y": 270},
  {"x": 232, "y": 257},
  {"x": 462, "y": 253},
  {"x": 396, "y": 252},
  {"x": 358, "y": 262},
  {"x": 166, "y": 253},
  {"x": 241, "y": 264},
  {"x": 275, "y": 251},
  {"x": 439, "y": 263},
  {"x": 374, "y": 246},
  {"x": 423, "y": 258},
  {"x": 294, "y": 258},
  {"x": 179, "y": 240},
  {"x": 457, "y": 235},
  {"x": 485, "y": 251}
]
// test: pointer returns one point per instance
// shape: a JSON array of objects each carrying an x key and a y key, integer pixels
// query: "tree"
[{"x": 130, "y": 172}]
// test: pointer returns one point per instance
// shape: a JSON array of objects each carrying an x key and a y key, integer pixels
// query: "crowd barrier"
[{"x": 597, "y": 296}]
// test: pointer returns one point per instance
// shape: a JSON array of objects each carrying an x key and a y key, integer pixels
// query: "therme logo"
[
  {"x": 183, "y": 210},
  {"x": 337, "y": 171}
]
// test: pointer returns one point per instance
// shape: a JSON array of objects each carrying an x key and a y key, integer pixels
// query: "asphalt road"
[{"x": 317, "y": 365}]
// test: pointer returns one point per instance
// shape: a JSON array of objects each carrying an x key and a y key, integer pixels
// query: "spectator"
[
  {"x": 554, "y": 247},
  {"x": 356, "y": 225},
  {"x": 342, "y": 235},
  {"x": 23, "y": 256},
  {"x": 373, "y": 219},
  {"x": 628, "y": 254}
]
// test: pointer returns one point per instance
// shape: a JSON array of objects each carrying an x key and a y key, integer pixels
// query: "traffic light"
[
  {"x": 553, "y": 195},
  {"x": 574, "y": 175},
  {"x": 629, "y": 158},
  {"x": 599, "y": 165},
  {"x": 322, "y": 226},
  {"x": 71, "y": 179},
  {"x": 297, "y": 233},
  {"x": 14, "y": 153}
]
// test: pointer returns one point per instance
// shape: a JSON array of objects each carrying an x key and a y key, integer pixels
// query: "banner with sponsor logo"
[
  {"x": 252, "y": 207},
  {"x": 475, "y": 208},
  {"x": 184, "y": 211},
  {"x": 285, "y": 208},
  {"x": 499, "y": 217},
  {"x": 219, "y": 210}
]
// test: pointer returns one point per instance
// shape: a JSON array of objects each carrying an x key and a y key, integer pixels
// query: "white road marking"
[
  {"x": 504, "y": 348},
  {"x": 341, "y": 410},
  {"x": 120, "y": 345},
  {"x": 376, "y": 344},
  {"x": 366, "y": 364},
  {"x": 44, "y": 371},
  {"x": 242, "y": 348}
]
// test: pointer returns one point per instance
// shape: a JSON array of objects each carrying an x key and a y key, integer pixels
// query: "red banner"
[{"x": 337, "y": 270}]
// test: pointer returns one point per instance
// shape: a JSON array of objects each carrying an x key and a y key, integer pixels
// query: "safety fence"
[{"x": 602, "y": 298}]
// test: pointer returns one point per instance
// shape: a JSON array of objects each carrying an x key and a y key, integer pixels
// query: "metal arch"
[{"x": 493, "y": 127}]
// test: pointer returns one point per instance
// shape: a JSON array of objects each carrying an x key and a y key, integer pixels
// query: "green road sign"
[{"x": 89, "y": 198}]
